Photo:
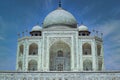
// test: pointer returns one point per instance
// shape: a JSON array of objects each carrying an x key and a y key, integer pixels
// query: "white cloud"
[
  {"x": 109, "y": 27},
  {"x": 116, "y": 38},
  {"x": 112, "y": 39},
  {"x": 116, "y": 11},
  {"x": 112, "y": 60},
  {"x": 2, "y": 38}
]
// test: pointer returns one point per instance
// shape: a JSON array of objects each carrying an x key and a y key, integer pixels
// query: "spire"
[{"x": 60, "y": 3}]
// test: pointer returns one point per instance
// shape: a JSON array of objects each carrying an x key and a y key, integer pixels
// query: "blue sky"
[{"x": 19, "y": 15}]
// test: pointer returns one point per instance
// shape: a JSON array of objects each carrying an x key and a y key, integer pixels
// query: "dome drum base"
[{"x": 65, "y": 25}]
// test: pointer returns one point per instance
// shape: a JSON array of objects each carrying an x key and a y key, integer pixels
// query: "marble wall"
[{"x": 109, "y": 75}]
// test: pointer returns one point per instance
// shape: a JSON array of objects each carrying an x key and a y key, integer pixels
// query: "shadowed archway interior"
[{"x": 60, "y": 57}]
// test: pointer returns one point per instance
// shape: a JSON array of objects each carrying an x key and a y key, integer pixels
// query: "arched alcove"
[
  {"x": 98, "y": 50},
  {"x": 21, "y": 50},
  {"x": 20, "y": 65},
  {"x": 60, "y": 57},
  {"x": 99, "y": 65},
  {"x": 87, "y": 65},
  {"x": 33, "y": 49},
  {"x": 32, "y": 65},
  {"x": 86, "y": 49}
]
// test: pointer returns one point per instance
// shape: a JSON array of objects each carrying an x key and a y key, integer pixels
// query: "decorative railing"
[{"x": 106, "y": 75}]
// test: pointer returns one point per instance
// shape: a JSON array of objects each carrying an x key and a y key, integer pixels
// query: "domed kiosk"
[
  {"x": 83, "y": 30},
  {"x": 36, "y": 30}
]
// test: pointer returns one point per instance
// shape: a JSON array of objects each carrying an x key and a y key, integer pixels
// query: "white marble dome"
[
  {"x": 36, "y": 28},
  {"x": 60, "y": 17},
  {"x": 83, "y": 28}
]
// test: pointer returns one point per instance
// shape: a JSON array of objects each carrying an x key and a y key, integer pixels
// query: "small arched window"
[
  {"x": 98, "y": 50},
  {"x": 86, "y": 49},
  {"x": 32, "y": 65},
  {"x": 20, "y": 65},
  {"x": 36, "y": 34},
  {"x": 60, "y": 53},
  {"x": 87, "y": 65},
  {"x": 99, "y": 65},
  {"x": 21, "y": 50},
  {"x": 33, "y": 49}
]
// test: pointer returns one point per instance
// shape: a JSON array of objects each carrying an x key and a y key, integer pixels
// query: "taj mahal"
[{"x": 60, "y": 49}]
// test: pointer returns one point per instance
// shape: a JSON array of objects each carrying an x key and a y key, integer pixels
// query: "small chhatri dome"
[
  {"x": 83, "y": 28},
  {"x": 60, "y": 17},
  {"x": 36, "y": 31},
  {"x": 36, "y": 28}
]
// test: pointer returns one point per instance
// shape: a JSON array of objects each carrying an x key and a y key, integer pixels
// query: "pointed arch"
[
  {"x": 60, "y": 56},
  {"x": 99, "y": 65},
  {"x": 87, "y": 65},
  {"x": 32, "y": 65},
  {"x": 86, "y": 49},
  {"x": 21, "y": 50},
  {"x": 20, "y": 65},
  {"x": 33, "y": 49},
  {"x": 60, "y": 53},
  {"x": 98, "y": 50}
]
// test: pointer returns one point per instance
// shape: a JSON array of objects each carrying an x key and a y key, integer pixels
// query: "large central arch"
[{"x": 60, "y": 57}]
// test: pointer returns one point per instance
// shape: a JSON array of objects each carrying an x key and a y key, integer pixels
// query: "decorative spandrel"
[{"x": 52, "y": 40}]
